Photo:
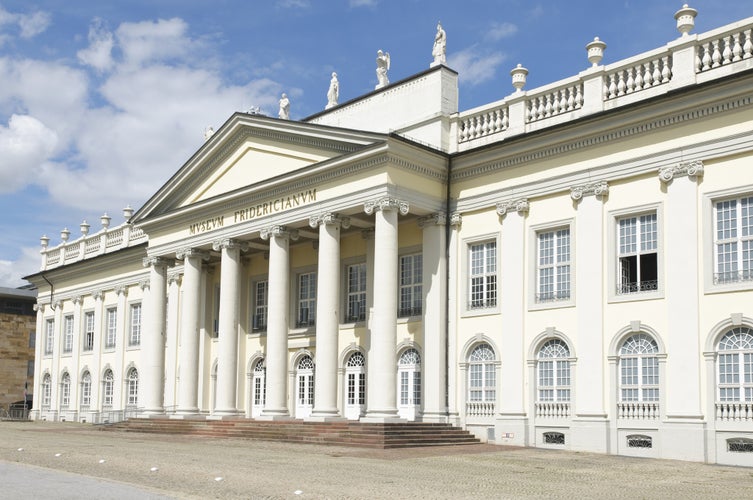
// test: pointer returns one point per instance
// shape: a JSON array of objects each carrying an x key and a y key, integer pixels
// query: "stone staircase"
[{"x": 340, "y": 433}]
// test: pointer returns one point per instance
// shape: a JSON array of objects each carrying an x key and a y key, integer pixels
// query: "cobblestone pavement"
[{"x": 193, "y": 467}]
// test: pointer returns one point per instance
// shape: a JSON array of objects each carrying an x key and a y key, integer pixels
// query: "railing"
[
  {"x": 555, "y": 102},
  {"x": 638, "y": 76},
  {"x": 482, "y": 304},
  {"x": 114, "y": 416},
  {"x": 91, "y": 245},
  {"x": 552, "y": 296},
  {"x": 479, "y": 409},
  {"x": 407, "y": 312},
  {"x": 733, "y": 277},
  {"x": 551, "y": 409},
  {"x": 725, "y": 49},
  {"x": 635, "y": 410},
  {"x": 637, "y": 287},
  {"x": 481, "y": 124},
  {"x": 735, "y": 411},
  {"x": 115, "y": 238}
]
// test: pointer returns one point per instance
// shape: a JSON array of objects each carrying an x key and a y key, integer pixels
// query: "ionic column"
[
  {"x": 434, "y": 357},
  {"x": 153, "y": 337},
  {"x": 512, "y": 307},
  {"x": 327, "y": 314},
  {"x": 382, "y": 388},
  {"x": 189, "y": 330},
  {"x": 227, "y": 363},
  {"x": 279, "y": 237},
  {"x": 453, "y": 384},
  {"x": 171, "y": 341},
  {"x": 682, "y": 290}
]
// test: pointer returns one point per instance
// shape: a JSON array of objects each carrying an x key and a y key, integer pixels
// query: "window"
[
  {"x": 740, "y": 445},
  {"x": 46, "y": 390},
  {"x": 68, "y": 334},
  {"x": 306, "y": 300},
  {"x": 637, "y": 243},
  {"x": 482, "y": 382},
  {"x": 65, "y": 391},
  {"x": 411, "y": 278},
  {"x": 409, "y": 370},
  {"x": 554, "y": 438},
  {"x": 32, "y": 340},
  {"x": 112, "y": 327},
  {"x": 30, "y": 369},
  {"x": 260, "y": 388},
  {"x": 261, "y": 298},
  {"x": 135, "y": 337},
  {"x": 356, "y": 310},
  {"x": 735, "y": 362},
  {"x": 553, "y": 267},
  {"x": 733, "y": 239},
  {"x": 554, "y": 371},
  {"x": 133, "y": 387},
  {"x": 108, "y": 385},
  {"x": 305, "y": 375},
  {"x": 639, "y": 369},
  {"x": 639, "y": 441},
  {"x": 49, "y": 336},
  {"x": 483, "y": 275},
  {"x": 356, "y": 379},
  {"x": 86, "y": 389},
  {"x": 89, "y": 331},
  {"x": 216, "y": 321}
]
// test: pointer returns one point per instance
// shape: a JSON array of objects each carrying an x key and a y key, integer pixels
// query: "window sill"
[
  {"x": 481, "y": 311},
  {"x": 637, "y": 296},
  {"x": 551, "y": 304}
]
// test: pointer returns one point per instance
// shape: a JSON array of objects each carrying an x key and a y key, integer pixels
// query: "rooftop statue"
[
  {"x": 284, "y": 113},
  {"x": 439, "y": 50},
  {"x": 334, "y": 91},
  {"x": 383, "y": 64}
]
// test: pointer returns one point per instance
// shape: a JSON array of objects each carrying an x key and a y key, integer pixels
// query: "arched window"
[
  {"x": 355, "y": 376},
  {"x": 133, "y": 387},
  {"x": 639, "y": 369},
  {"x": 259, "y": 388},
  {"x": 86, "y": 389},
  {"x": 305, "y": 375},
  {"x": 46, "y": 390},
  {"x": 65, "y": 391},
  {"x": 108, "y": 385},
  {"x": 554, "y": 371},
  {"x": 482, "y": 383},
  {"x": 409, "y": 383},
  {"x": 735, "y": 362}
]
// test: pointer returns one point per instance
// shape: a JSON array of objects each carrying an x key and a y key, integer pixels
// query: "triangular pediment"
[{"x": 249, "y": 150}]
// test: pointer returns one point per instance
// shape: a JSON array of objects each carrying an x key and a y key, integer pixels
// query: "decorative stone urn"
[
  {"x": 595, "y": 51},
  {"x": 685, "y": 19},
  {"x": 519, "y": 74}
]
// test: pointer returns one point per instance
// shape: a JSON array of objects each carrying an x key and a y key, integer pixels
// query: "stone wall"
[{"x": 15, "y": 354}]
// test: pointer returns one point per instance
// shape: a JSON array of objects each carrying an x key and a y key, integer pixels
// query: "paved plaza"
[{"x": 66, "y": 460}]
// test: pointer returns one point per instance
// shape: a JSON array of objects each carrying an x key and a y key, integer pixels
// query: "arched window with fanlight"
[
  {"x": 355, "y": 385},
  {"x": 482, "y": 381},
  {"x": 639, "y": 377},
  {"x": 305, "y": 387},
  {"x": 553, "y": 379},
  {"x": 409, "y": 383},
  {"x": 259, "y": 388},
  {"x": 735, "y": 366},
  {"x": 132, "y": 387}
]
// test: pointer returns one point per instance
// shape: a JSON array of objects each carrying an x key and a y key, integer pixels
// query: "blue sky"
[{"x": 102, "y": 101}]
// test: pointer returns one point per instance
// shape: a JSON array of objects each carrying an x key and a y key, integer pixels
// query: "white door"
[
  {"x": 355, "y": 386},
  {"x": 305, "y": 387},
  {"x": 409, "y": 384},
  {"x": 259, "y": 389}
]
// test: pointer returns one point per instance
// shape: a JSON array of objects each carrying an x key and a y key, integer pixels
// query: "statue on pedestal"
[
  {"x": 439, "y": 50},
  {"x": 284, "y": 113},
  {"x": 383, "y": 64}
]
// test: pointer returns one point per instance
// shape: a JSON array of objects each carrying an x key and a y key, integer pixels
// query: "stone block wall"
[{"x": 15, "y": 354}]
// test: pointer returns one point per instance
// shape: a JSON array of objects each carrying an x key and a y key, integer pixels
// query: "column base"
[
  {"x": 153, "y": 412},
  {"x": 329, "y": 415},
  {"x": 382, "y": 417},
  {"x": 435, "y": 417}
]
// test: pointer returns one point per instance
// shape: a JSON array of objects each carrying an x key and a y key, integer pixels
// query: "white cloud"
[
  {"x": 29, "y": 25},
  {"x": 25, "y": 144},
  {"x": 163, "y": 40},
  {"x": 475, "y": 67},
  {"x": 12, "y": 271},
  {"x": 363, "y": 3},
  {"x": 99, "y": 52},
  {"x": 499, "y": 31}
]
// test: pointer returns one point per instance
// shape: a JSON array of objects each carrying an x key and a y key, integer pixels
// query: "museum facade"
[{"x": 568, "y": 267}]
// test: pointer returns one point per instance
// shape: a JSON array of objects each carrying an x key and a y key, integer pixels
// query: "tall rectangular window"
[
  {"x": 49, "y": 336},
  {"x": 356, "y": 275},
  {"x": 306, "y": 299},
  {"x": 553, "y": 265},
  {"x": 32, "y": 340},
  {"x": 483, "y": 275},
  {"x": 733, "y": 239},
  {"x": 68, "y": 333},
  {"x": 637, "y": 243},
  {"x": 261, "y": 300},
  {"x": 30, "y": 369},
  {"x": 89, "y": 331},
  {"x": 112, "y": 327},
  {"x": 135, "y": 331},
  {"x": 411, "y": 285}
]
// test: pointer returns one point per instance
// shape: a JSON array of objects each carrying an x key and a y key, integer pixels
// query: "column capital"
[
  {"x": 144, "y": 284},
  {"x": 229, "y": 243},
  {"x": 279, "y": 232},
  {"x": 155, "y": 261},
  {"x": 386, "y": 203},
  {"x": 98, "y": 294},
  {"x": 437, "y": 219},
  {"x": 456, "y": 219},
  {"x": 693, "y": 169},
  {"x": 598, "y": 189},
  {"x": 121, "y": 290},
  {"x": 174, "y": 277},
  {"x": 520, "y": 205},
  {"x": 76, "y": 300},
  {"x": 55, "y": 304},
  {"x": 185, "y": 253},
  {"x": 329, "y": 218}
]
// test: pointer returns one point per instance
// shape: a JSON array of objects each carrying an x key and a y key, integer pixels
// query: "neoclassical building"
[{"x": 568, "y": 267}]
